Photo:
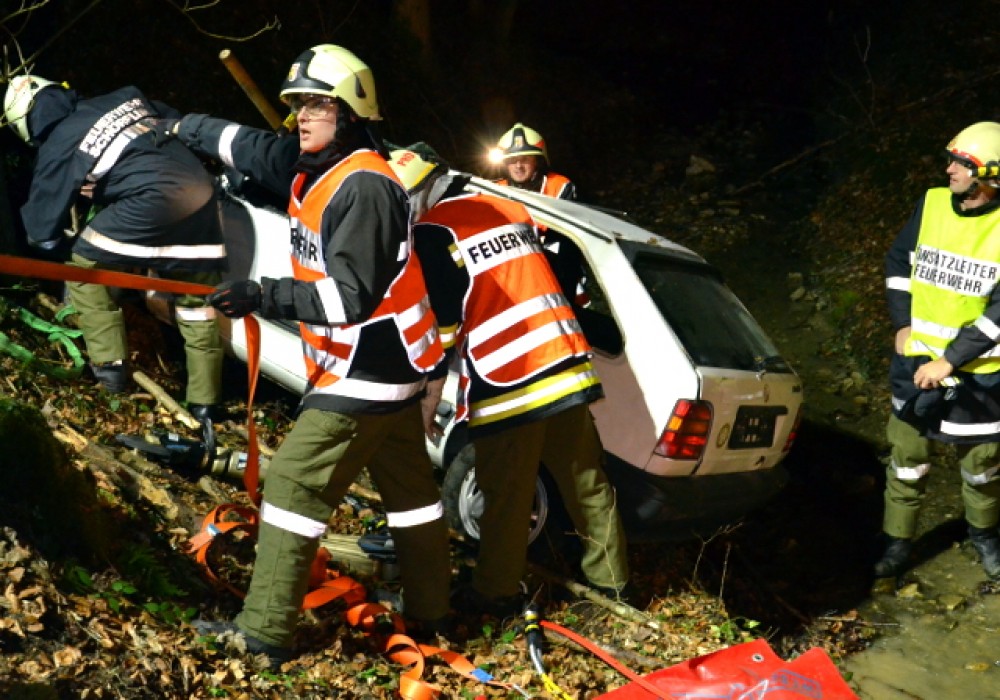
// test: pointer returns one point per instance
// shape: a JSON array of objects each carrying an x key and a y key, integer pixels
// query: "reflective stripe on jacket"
[
  {"x": 329, "y": 349},
  {"x": 523, "y": 353},
  {"x": 956, "y": 266}
]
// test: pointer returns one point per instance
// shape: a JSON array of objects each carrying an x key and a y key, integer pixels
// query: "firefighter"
[
  {"x": 525, "y": 379},
  {"x": 368, "y": 337},
  {"x": 524, "y": 155},
  {"x": 526, "y": 158},
  {"x": 156, "y": 208},
  {"x": 944, "y": 303}
]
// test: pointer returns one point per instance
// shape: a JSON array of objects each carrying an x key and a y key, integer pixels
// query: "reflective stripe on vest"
[
  {"x": 955, "y": 268},
  {"x": 516, "y": 324},
  {"x": 329, "y": 349},
  {"x": 534, "y": 395}
]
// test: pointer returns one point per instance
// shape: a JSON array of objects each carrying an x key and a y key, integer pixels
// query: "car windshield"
[{"x": 710, "y": 321}]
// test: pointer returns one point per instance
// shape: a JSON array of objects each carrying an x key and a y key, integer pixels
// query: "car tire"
[{"x": 463, "y": 501}]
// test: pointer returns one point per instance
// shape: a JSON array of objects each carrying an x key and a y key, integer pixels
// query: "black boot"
[
  {"x": 113, "y": 376},
  {"x": 987, "y": 543},
  {"x": 895, "y": 557},
  {"x": 212, "y": 411}
]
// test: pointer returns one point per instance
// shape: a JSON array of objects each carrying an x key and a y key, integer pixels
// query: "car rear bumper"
[{"x": 657, "y": 508}]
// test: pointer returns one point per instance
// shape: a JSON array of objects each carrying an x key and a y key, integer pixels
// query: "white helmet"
[
  {"x": 336, "y": 72},
  {"x": 19, "y": 100}
]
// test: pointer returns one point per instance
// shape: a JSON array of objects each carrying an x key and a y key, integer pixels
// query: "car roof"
[{"x": 592, "y": 220}]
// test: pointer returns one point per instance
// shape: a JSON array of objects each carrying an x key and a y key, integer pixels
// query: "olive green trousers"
[
  {"x": 906, "y": 480},
  {"x": 309, "y": 475},
  {"x": 103, "y": 326},
  {"x": 506, "y": 467}
]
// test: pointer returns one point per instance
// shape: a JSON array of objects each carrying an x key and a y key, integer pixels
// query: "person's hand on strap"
[{"x": 236, "y": 298}]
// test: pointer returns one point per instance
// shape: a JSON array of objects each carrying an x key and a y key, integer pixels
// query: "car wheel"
[{"x": 463, "y": 501}]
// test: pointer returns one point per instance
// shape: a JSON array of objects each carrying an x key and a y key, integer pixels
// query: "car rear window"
[{"x": 710, "y": 321}]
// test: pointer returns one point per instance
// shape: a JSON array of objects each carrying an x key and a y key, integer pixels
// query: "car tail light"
[
  {"x": 794, "y": 433},
  {"x": 687, "y": 430}
]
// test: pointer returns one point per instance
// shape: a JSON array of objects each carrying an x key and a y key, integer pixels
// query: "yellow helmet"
[
  {"x": 522, "y": 140},
  {"x": 336, "y": 72},
  {"x": 19, "y": 100},
  {"x": 415, "y": 164},
  {"x": 976, "y": 146}
]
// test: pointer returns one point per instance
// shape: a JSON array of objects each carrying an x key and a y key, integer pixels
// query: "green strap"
[
  {"x": 55, "y": 334},
  {"x": 65, "y": 311}
]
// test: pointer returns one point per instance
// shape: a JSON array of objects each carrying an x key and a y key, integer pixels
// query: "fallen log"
[{"x": 129, "y": 480}]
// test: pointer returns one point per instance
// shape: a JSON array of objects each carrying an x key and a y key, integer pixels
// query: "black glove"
[
  {"x": 237, "y": 298},
  {"x": 163, "y": 130}
]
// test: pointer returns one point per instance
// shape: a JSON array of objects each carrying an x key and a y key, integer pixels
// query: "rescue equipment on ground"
[
  {"x": 55, "y": 334},
  {"x": 180, "y": 452},
  {"x": 749, "y": 670}
]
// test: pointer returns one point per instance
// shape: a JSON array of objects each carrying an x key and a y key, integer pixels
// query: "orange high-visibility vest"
[
  {"x": 553, "y": 184},
  {"x": 329, "y": 350},
  {"x": 517, "y": 330}
]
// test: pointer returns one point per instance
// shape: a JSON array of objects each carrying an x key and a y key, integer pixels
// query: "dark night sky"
[{"x": 582, "y": 72}]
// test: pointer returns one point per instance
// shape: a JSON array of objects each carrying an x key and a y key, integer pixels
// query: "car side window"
[{"x": 594, "y": 314}]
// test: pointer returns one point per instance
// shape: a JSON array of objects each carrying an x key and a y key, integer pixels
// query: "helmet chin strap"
[{"x": 973, "y": 187}]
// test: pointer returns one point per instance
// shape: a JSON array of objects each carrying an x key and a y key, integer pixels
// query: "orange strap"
[
  {"x": 29, "y": 267},
  {"x": 326, "y": 586},
  {"x": 251, "y": 475},
  {"x": 606, "y": 658}
]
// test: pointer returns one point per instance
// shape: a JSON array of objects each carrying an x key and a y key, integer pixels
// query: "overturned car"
[{"x": 700, "y": 407}]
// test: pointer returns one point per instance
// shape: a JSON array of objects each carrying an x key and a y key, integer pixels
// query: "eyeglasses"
[
  {"x": 315, "y": 106},
  {"x": 960, "y": 161}
]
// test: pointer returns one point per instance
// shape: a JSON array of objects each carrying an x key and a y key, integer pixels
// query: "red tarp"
[{"x": 750, "y": 671}]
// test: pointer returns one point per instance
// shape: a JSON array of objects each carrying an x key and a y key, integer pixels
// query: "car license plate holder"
[{"x": 754, "y": 427}]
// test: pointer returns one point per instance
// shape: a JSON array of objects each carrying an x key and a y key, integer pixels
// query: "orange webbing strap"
[
  {"x": 40, "y": 269},
  {"x": 221, "y": 520},
  {"x": 403, "y": 650},
  {"x": 251, "y": 475},
  {"x": 326, "y": 585},
  {"x": 606, "y": 658}
]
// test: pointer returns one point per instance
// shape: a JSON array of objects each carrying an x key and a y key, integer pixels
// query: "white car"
[{"x": 700, "y": 408}]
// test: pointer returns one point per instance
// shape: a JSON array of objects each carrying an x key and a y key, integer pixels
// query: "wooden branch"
[
  {"x": 620, "y": 609},
  {"x": 166, "y": 400},
  {"x": 367, "y": 494},
  {"x": 787, "y": 163},
  {"x": 345, "y": 549},
  {"x": 209, "y": 486}
]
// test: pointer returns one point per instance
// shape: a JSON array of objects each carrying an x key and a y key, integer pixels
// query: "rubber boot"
[
  {"x": 113, "y": 376},
  {"x": 895, "y": 557},
  {"x": 987, "y": 543}
]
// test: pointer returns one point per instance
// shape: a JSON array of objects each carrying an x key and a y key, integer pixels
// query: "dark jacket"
[
  {"x": 153, "y": 207},
  {"x": 365, "y": 235}
]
